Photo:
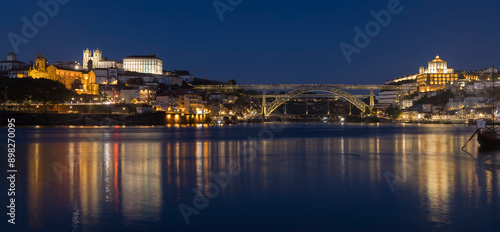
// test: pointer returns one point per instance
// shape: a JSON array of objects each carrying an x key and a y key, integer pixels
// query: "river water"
[{"x": 255, "y": 177}]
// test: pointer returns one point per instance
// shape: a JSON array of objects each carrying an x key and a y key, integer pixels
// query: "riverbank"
[{"x": 86, "y": 119}]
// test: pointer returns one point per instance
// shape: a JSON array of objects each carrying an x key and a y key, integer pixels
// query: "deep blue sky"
[{"x": 266, "y": 41}]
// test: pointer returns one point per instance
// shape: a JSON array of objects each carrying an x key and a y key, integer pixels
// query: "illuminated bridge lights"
[{"x": 300, "y": 86}]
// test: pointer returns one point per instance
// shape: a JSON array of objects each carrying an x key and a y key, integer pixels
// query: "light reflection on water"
[{"x": 315, "y": 176}]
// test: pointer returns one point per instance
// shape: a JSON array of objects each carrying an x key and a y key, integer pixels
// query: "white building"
[
  {"x": 106, "y": 76},
  {"x": 11, "y": 63},
  {"x": 95, "y": 56},
  {"x": 170, "y": 80},
  {"x": 111, "y": 76},
  {"x": 387, "y": 97},
  {"x": 143, "y": 64},
  {"x": 436, "y": 66},
  {"x": 107, "y": 64}
]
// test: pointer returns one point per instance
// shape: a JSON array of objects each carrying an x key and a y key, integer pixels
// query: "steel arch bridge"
[{"x": 269, "y": 108}]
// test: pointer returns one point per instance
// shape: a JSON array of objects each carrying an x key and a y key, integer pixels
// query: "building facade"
[
  {"x": 11, "y": 63},
  {"x": 91, "y": 59},
  {"x": 143, "y": 64},
  {"x": 107, "y": 64},
  {"x": 79, "y": 81},
  {"x": 436, "y": 76}
]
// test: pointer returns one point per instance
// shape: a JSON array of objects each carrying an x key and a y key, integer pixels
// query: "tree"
[
  {"x": 393, "y": 112},
  {"x": 181, "y": 73},
  {"x": 27, "y": 91},
  {"x": 231, "y": 82}
]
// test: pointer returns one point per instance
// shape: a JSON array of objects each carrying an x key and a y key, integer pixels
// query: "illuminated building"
[
  {"x": 143, "y": 64},
  {"x": 437, "y": 66},
  {"x": 111, "y": 76},
  {"x": 10, "y": 64},
  {"x": 81, "y": 82},
  {"x": 105, "y": 63},
  {"x": 106, "y": 76},
  {"x": 436, "y": 76},
  {"x": 13, "y": 68},
  {"x": 91, "y": 59}
]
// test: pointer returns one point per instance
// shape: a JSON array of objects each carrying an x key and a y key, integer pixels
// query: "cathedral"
[{"x": 91, "y": 59}]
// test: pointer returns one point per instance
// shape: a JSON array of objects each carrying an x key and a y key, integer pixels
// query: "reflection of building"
[
  {"x": 81, "y": 82},
  {"x": 143, "y": 64}
]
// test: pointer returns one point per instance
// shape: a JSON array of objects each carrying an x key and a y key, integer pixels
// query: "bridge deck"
[{"x": 298, "y": 86}]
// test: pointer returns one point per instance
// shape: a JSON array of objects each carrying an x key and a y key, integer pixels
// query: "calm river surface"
[{"x": 256, "y": 177}]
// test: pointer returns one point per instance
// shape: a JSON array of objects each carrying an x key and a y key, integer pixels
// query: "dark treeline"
[{"x": 25, "y": 91}]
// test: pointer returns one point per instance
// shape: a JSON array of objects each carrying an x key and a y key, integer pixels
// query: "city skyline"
[{"x": 255, "y": 44}]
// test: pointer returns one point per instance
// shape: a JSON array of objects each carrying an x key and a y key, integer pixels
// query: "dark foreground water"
[{"x": 271, "y": 177}]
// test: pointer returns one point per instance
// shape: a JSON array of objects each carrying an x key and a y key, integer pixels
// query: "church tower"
[
  {"x": 41, "y": 62},
  {"x": 95, "y": 56},
  {"x": 86, "y": 58}
]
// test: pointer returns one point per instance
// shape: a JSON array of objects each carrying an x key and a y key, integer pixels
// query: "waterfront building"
[
  {"x": 192, "y": 103},
  {"x": 143, "y": 64}
]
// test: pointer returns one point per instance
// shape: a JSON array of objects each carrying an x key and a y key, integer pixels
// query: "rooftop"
[{"x": 141, "y": 56}]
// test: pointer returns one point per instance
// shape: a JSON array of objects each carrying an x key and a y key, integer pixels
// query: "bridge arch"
[{"x": 269, "y": 108}]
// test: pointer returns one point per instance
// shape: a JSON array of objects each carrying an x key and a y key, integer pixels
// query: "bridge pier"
[
  {"x": 372, "y": 100},
  {"x": 264, "y": 104}
]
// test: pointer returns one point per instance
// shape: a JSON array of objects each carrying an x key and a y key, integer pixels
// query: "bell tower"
[
  {"x": 97, "y": 55},
  {"x": 41, "y": 62},
  {"x": 86, "y": 58}
]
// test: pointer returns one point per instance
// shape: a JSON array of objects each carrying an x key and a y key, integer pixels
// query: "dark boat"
[{"x": 489, "y": 136}]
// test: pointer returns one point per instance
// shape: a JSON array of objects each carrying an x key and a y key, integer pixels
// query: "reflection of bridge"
[{"x": 301, "y": 89}]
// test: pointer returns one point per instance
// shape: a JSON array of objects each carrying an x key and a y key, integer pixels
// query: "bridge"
[
  {"x": 301, "y": 89},
  {"x": 299, "y": 86}
]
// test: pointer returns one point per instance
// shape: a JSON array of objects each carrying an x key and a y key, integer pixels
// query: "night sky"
[{"x": 267, "y": 42}]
